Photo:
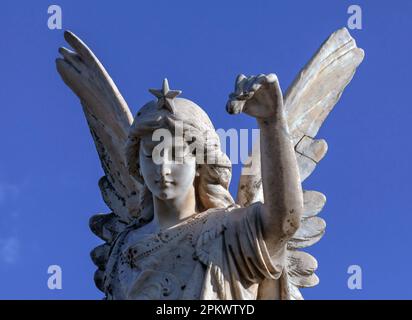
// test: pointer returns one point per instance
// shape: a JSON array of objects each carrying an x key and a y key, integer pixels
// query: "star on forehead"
[{"x": 165, "y": 96}]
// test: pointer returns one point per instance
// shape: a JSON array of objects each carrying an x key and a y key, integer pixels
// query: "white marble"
[{"x": 175, "y": 232}]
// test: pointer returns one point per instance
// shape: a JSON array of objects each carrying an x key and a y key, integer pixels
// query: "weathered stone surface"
[
  {"x": 313, "y": 202},
  {"x": 301, "y": 269},
  {"x": 175, "y": 231},
  {"x": 310, "y": 232}
]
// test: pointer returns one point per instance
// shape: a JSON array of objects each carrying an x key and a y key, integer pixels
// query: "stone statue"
[{"x": 175, "y": 232}]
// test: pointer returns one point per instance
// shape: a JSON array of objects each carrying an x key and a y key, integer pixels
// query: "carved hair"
[{"x": 211, "y": 186}]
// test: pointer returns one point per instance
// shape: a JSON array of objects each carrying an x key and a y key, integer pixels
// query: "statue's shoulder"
[
  {"x": 217, "y": 217},
  {"x": 217, "y": 220},
  {"x": 215, "y": 223}
]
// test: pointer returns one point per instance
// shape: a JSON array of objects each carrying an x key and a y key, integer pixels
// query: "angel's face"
[{"x": 168, "y": 168}]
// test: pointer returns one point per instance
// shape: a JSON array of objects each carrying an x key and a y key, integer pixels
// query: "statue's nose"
[{"x": 164, "y": 169}]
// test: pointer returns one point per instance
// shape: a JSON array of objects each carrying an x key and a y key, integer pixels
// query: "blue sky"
[{"x": 49, "y": 168}]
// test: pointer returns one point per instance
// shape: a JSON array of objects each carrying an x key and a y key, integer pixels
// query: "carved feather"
[
  {"x": 294, "y": 293},
  {"x": 310, "y": 232},
  {"x": 301, "y": 268},
  {"x": 313, "y": 202},
  {"x": 100, "y": 255},
  {"x": 106, "y": 226}
]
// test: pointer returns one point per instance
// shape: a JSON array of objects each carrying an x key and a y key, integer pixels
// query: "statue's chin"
[{"x": 164, "y": 194}]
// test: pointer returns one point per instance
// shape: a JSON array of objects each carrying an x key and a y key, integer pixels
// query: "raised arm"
[{"x": 261, "y": 98}]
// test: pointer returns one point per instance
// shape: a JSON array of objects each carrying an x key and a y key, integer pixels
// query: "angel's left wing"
[
  {"x": 109, "y": 120},
  {"x": 307, "y": 103}
]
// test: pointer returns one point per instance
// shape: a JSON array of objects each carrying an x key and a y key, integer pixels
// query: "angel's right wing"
[{"x": 109, "y": 120}]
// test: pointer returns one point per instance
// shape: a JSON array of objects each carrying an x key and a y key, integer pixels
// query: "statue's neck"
[{"x": 170, "y": 212}]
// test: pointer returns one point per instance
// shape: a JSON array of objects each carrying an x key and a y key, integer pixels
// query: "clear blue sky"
[{"x": 49, "y": 168}]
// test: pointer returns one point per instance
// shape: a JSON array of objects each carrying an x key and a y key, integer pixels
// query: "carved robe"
[{"x": 218, "y": 254}]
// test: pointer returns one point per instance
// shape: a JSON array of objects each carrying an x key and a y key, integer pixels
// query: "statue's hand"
[{"x": 258, "y": 96}]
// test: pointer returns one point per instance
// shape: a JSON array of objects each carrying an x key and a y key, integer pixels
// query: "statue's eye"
[
  {"x": 180, "y": 153},
  {"x": 147, "y": 152},
  {"x": 148, "y": 155}
]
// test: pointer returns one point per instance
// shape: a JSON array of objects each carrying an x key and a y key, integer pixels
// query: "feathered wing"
[
  {"x": 109, "y": 120},
  {"x": 307, "y": 102}
]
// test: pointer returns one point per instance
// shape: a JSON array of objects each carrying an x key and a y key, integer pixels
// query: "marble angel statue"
[{"x": 175, "y": 231}]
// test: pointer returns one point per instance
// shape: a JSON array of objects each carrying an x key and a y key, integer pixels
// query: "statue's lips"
[{"x": 164, "y": 183}]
